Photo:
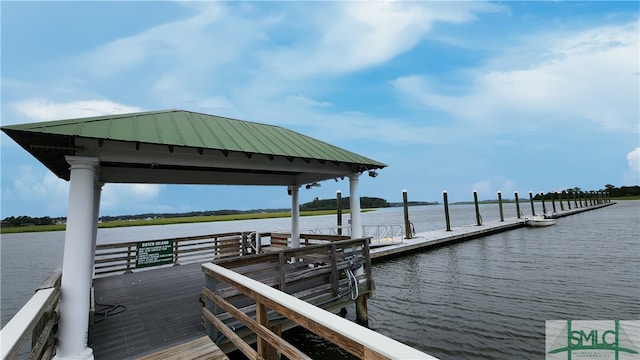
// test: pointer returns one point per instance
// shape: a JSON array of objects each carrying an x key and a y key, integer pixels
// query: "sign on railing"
[{"x": 154, "y": 253}]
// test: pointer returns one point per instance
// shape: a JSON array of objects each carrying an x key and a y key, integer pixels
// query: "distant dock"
[{"x": 435, "y": 238}]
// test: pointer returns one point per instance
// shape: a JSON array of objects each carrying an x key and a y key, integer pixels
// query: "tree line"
[
  {"x": 332, "y": 204},
  {"x": 316, "y": 204},
  {"x": 13, "y": 221},
  {"x": 614, "y": 192}
]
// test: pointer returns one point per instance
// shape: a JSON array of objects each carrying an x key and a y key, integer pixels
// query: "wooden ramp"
[{"x": 201, "y": 349}]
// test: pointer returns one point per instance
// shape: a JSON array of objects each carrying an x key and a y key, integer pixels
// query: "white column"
[
  {"x": 76, "y": 267},
  {"x": 96, "y": 215},
  {"x": 354, "y": 204},
  {"x": 295, "y": 217}
]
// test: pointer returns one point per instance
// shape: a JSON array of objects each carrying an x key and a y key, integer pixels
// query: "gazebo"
[{"x": 168, "y": 147}]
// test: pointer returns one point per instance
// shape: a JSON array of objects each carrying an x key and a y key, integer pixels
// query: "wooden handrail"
[
  {"x": 38, "y": 318},
  {"x": 359, "y": 341},
  {"x": 121, "y": 257}
]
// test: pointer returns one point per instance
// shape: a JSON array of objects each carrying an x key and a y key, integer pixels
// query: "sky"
[{"x": 453, "y": 96}]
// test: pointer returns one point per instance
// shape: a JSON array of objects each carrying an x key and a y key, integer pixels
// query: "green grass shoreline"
[
  {"x": 169, "y": 221},
  {"x": 213, "y": 218}
]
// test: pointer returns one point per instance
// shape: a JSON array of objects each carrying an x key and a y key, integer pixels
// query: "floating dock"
[{"x": 430, "y": 239}]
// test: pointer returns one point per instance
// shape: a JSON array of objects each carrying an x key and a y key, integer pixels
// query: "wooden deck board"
[
  {"x": 200, "y": 348},
  {"x": 162, "y": 310}
]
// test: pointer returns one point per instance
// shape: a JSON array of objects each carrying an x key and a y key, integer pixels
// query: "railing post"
[
  {"x": 500, "y": 204},
  {"x": 475, "y": 201},
  {"x": 129, "y": 248},
  {"x": 243, "y": 243},
  {"x": 210, "y": 328},
  {"x": 265, "y": 350},
  {"x": 407, "y": 223},
  {"x": 281, "y": 262},
  {"x": 334, "y": 270},
  {"x": 175, "y": 254},
  {"x": 446, "y": 210},
  {"x": 517, "y": 204}
]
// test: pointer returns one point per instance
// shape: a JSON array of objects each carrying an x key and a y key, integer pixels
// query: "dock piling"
[
  {"x": 407, "y": 223},
  {"x": 446, "y": 210},
  {"x": 533, "y": 209},
  {"x": 500, "y": 204},
  {"x": 517, "y": 204},
  {"x": 544, "y": 206},
  {"x": 362, "y": 312},
  {"x": 475, "y": 201},
  {"x": 553, "y": 200},
  {"x": 561, "y": 196}
]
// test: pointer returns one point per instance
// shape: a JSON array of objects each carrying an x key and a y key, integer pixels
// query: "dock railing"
[
  {"x": 380, "y": 235},
  {"x": 331, "y": 276},
  {"x": 38, "y": 318},
  {"x": 122, "y": 257},
  {"x": 357, "y": 340}
]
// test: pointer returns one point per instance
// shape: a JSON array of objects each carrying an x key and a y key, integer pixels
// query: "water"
[{"x": 486, "y": 298}]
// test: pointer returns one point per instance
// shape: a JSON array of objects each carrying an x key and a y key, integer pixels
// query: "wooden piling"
[
  {"x": 560, "y": 199},
  {"x": 500, "y": 204},
  {"x": 446, "y": 210},
  {"x": 533, "y": 209},
  {"x": 569, "y": 199},
  {"x": 407, "y": 224},
  {"x": 475, "y": 201},
  {"x": 517, "y": 204},
  {"x": 544, "y": 206},
  {"x": 553, "y": 201},
  {"x": 362, "y": 313}
]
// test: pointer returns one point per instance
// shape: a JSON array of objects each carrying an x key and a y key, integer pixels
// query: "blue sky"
[{"x": 456, "y": 96}]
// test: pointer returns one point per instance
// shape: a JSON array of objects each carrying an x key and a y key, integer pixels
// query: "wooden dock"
[
  {"x": 152, "y": 310},
  {"x": 430, "y": 239},
  {"x": 161, "y": 308}
]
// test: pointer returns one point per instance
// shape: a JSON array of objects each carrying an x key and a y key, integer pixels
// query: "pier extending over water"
[
  {"x": 430, "y": 239},
  {"x": 163, "y": 309}
]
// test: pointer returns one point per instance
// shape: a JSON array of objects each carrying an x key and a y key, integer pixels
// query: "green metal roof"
[{"x": 177, "y": 128}]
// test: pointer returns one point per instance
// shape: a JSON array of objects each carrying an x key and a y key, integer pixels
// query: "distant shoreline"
[
  {"x": 175, "y": 220},
  {"x": 232, "y": 217}
]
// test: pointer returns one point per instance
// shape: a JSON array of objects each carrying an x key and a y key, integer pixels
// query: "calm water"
[{"x": 482, "y": 299}]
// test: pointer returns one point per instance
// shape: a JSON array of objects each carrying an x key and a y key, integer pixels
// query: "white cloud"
[
  {"x": 484, "y": 189},
  {"x": 508, "y": 188},
  {"x": 633, "y": 158},
  {"x": 587, "y": 75},
  {"x": 130, "y": 196},
  {"x": 43, "y": 109},
  {"x": 31, "y": 184},
  {"x": 307, "y": 101},
  {"x": 351, "y": 36}
]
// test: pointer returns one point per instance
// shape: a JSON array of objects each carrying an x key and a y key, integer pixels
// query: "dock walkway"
[{"x": 429, "y": 239}]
